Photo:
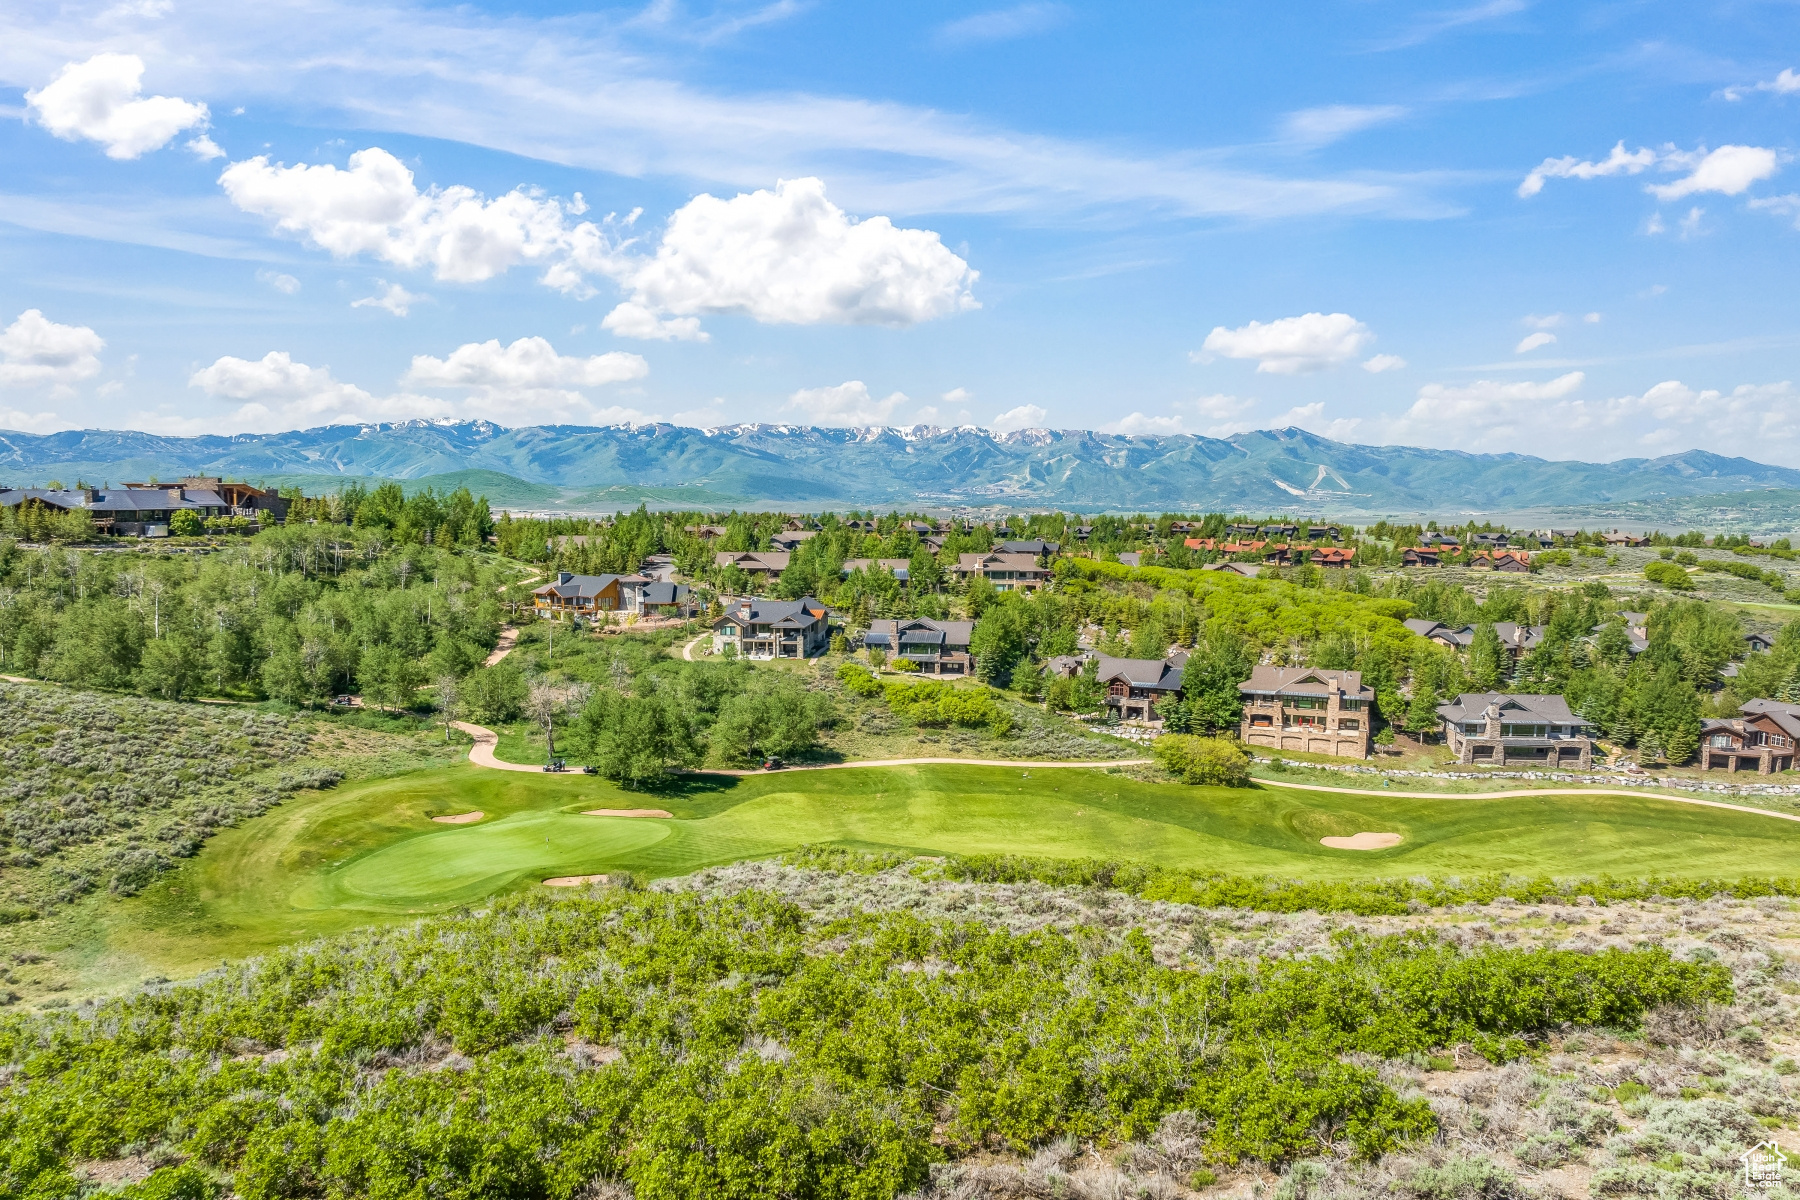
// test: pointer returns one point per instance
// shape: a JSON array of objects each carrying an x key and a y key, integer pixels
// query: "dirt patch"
[
  {"x": 115, "y": 1171},
  {"x": 574, "y": 880},
  {"x": 468, "y": 818},
  {"x": 626, "y": 812},
  {"x": 1362, "y": 841}
]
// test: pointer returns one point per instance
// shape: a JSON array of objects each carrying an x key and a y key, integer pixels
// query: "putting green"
[
  {"x": 473, "y": 861},
  {"x": 368, "y": 852}
]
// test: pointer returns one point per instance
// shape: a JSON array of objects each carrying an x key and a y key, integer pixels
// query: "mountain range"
[{"x": 763, "y": 465}]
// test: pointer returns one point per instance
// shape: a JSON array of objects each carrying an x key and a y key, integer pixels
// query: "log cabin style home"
[
  {"x": 1307, "y": 709},
  {"x": 571, "y": 595}
]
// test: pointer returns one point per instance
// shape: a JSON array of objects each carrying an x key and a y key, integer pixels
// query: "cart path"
[
  {"x": 482, "y": 755},
  {"x": 482, "y": 752},
  {"x": 687, "y": 651},
  {"x": 1517, "y": 793},
  {"x": 509, "y": 637}
]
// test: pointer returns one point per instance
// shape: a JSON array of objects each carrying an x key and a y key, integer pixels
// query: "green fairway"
[{"x": 369, "y": 853}]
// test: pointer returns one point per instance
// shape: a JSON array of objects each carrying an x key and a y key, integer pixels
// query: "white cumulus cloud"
[
  {"x": 1291, "y": 345},
  {"x": 1383, "y": 362},
  {"x": 1619, "y": 162},
  {"x": 1486, "y": 402},
  {"x": 373, "y": 207},
  {"x": 287, "y": 285},
  {"x": 1784, "y": 84},
  {"x": 635, "y": 321},
  {"x": 275, "y": 392},
  {"x": 791, "y": 257},
  {"x": 1139, "y": 424},
  {"x": 1532, "y": 341},
  {"x": 528, "y": 365},
  {"x": 101, "y": 100},
  {"x": 35, "y": 350},
  {"x": 392, "y": 297},
  {"x": 1025, "y": 416},
  {"x": 1729, "y": 169},
  {"x": 849, "y": 403}
]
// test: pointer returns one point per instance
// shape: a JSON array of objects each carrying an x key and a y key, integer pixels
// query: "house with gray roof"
[
  {"x": 1498, "y": 730},
  {"x": 1761, "y": 739},
  {"x": 935, "y": 647},
  {"x": 1307, "y": 709},
  {"x": 1135, "y": 686},
  {"x": 572, "y": 595},
  {"x": 762, "y": 628},
  {"x": 126, "y": 511}
]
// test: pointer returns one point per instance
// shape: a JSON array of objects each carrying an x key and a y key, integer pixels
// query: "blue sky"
[{"x": 1567, "y": 230}]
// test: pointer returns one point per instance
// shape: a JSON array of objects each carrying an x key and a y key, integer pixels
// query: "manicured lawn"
[{"x": 369, "y": 854}]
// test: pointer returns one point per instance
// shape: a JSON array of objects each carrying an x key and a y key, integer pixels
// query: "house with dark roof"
[
  {"x": 664, "y": 598},
  {"x": 1762, "y": 739},
  {"x": 1492, "y": 729},
  {"x": 1444, "y": 635},
  {"x": 1248, "y": 570},
  {"x": 1307, "y": 709},
  {"x": 571, "y": 595},
  {"x": 935, "y": 647},
  {"x": 1421, "y": 556},
  {"x": 1332, "y": 556},
  {"x": 1036, "y": 547},
  {"x": 790, "y": 540},
  {"x": 774, "y": 628},
  {"x": 126, "y": 511},
  {"x": 1135, "y": 686}
]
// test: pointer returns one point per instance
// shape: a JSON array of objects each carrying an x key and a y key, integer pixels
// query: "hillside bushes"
[
  {"x": 1669, "y": 575},
  {"x": 725, "y": 1047},
  {"x": 1212, "y": 761},
  {"x": 108, "y": 792}
]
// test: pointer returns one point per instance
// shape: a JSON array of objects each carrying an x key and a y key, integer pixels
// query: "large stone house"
[
  {"x": 1136, "y": 686},
  {"x": 1492, "y": 729},
  {"x": 774, "y": 628},
  {"x": 1307, "y": 709},
  {"x": 132, "y": 511},
  {"x": 935, "y": 647},
  {"x": 1763, "y": 739}
]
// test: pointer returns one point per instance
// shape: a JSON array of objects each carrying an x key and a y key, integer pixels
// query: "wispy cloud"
[
  {"x": 1002, "y": 24},
  {"x": 1322, "y": 126},
  {"x": 1431, "y": 25}
]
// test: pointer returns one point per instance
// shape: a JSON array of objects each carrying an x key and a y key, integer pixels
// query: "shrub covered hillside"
[
  {"x": 100, "y": 791},
  {"x": 722, "y": 1038}
]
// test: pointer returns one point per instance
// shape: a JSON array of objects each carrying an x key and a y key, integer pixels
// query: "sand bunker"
[
  {"x": 461, "y": 818},
  {"x": 1362, "y": 841},
  {"x": 574, "y": 880},
  {"x": 626, "y": 812}
]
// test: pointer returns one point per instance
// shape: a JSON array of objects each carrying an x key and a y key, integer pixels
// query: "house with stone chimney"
[
  {"x": 1307, "y": 709},
  {"x": 1497, "y": 730}
]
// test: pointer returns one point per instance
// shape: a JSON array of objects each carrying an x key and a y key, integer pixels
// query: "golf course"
[{"x": 371, "y": 853}]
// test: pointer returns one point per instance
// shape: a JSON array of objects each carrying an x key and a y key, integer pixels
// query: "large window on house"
[
  {"x": 1523, "y": 731},
  {"x": 1720, "y": 741},
  {"x": 1348, "y": 726},
  {"x": 1472, "y": 727},
  {"x": 1305, "y": 702},
  {"x": 1351, "y": 705}
]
